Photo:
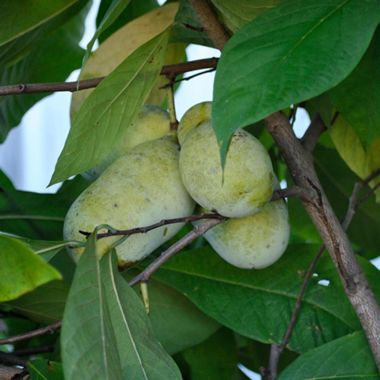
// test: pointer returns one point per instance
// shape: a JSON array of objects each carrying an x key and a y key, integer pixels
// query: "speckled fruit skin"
[
  {"x": 248, "y": 175},
  {"x": 151, "y": 123},
  {"x": 255, "y": 241},
  {"x": 138, "y": 189}
]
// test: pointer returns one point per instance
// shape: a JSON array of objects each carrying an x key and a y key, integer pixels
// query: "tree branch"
[
  {"x": 198, "y": 230},
  {"x": 355, "y": 284},
  {"x": 311, "y": 136},
  {"x": 209, "y": 20},
  {"x": 168, "y": 70},
  {"x": 50, "y": 329},
  {"x": 277, "y": 349},
  {"x": 163, "y": 222}
]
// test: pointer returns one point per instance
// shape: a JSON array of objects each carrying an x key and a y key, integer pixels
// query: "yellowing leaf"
[
  {"x": 121, "y": 44},
  {"x": 361, "y": 161}
]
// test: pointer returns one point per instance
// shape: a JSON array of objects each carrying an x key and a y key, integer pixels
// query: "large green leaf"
[
  {"x": 338, "y": 182},
  {"x": 286, "y": 55},
  {"x": 16, "y": 22},
  {"x": 346, "y": 358},
  {"x": 141, "y": 355},
  {"x": 133, "y": 10},
  {"x": 113, "y": 12},
  {"x": 21, "y": 270},
  {"x": 176, "y": 322},
  {"x": 258, "y": 303},
  {"x": 106, "y": 332},
  {"x": 21, "y": 30},
  {"x": 357, "y": 98},
  {"x": 88, "y": 339},
  {"x": 96, "y": 129},
  {"x": 45, "y": 304},
  {"x": 214, "y": 359},
  {"x": 34, "y": 215},
  {"x": 236, "y": 14},
  {"x": 51, "y": 60}
]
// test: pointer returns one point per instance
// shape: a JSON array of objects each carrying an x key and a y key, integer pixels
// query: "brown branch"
[
  {"x": 198, "y": 230},
  {"x": 209, "y": 20},
  {"x": 32, "y": 334},
  {"x": 311, "y": 136},
  {"x": 277, "y": 349},
  {"x": 334, "y": 238},
  {"x": 294, "y": 191},
  {"x": 33, "y": 351},
  {"x": 168, "y": 70},
  {"x": 163, "y": 222}
]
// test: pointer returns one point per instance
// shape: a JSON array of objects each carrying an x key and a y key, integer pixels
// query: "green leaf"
[
  {"x": 97, "y": 127},
  {"x": 187, "y": 27},
  {"x": 42, "y": 369},
  {"x": 176, "y": 322},
  {"x": 112, "y": 52},
  {"x": 87, "y": 338},
  {"x": 345, "y": 358},
  {"x": 34, "y": 215},
  {"x": 238, "y": 13},
  {"x": 134, "y": 9},
  {"x": 113, "y": 12},
  {"x": 21, "y": 270},
  {"x": 20, "y": 31},
  {"x": 140, "y": 353},
  {"x": 16, "y": 22},
  {"x": 338, "y": 182},
  {"x": 215, "y": 358},
  {"x": 280, "y": 58},
  {"x": 106, "y": 332},
  {"x": 43, "y": 305},
  {"x": 258, "y": 303},
  {"x": 51, "y": 60},
  {"x": 357, "y": 98}
]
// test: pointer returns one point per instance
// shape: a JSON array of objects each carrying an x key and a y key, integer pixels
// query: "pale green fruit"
[
  {"x": 138, "y": 189},
  {"x": 255, "y": 241},
  {"x": 248, "y": 175},
  {"x": 151, "y": 123}
]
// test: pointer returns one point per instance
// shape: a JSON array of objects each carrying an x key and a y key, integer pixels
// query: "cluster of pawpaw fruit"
[{"x": 161, "y": 174}]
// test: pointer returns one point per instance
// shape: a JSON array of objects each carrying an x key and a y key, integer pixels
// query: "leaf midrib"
[{"x": 114, "y": 288}]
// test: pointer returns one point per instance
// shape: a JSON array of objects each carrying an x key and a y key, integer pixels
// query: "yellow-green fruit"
[
  {"x": 151, "y": 123},
  {"x": 138, "y": 189},
  {"x": 255, "y": 241},
  {"x": 248, "y": 175}
]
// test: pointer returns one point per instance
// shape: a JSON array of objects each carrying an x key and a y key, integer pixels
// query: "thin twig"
[
  {"x": 187, "y": 78},
  {"x": 294, "y": 191},
  {"x": 50, "y": 329},
  {"x": 311, "y": 136},
  {"x": 163, "y": 222},
  {"x": 277, "y": 349},
  {"x": 171, "y": 104},
  {"x": 173, "y": 70},
  {"x": 198, "y": 230}
]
